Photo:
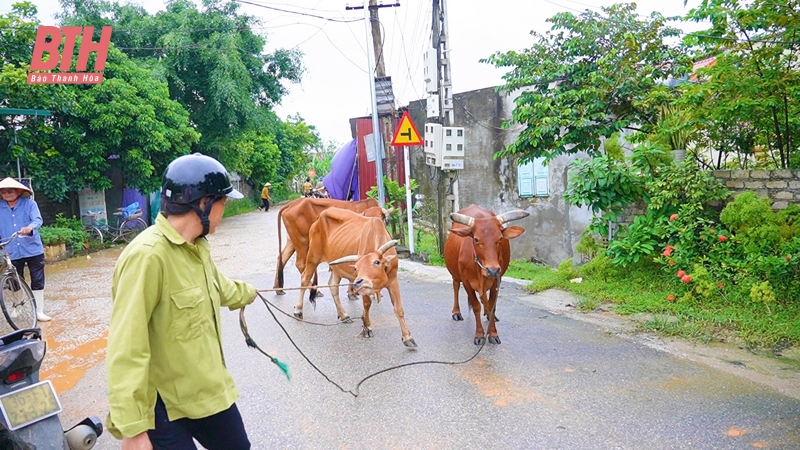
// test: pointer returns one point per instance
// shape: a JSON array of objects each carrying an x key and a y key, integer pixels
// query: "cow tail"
[
  {"x": 280, "y": 251},
  {"x": 312, "y": 295}
]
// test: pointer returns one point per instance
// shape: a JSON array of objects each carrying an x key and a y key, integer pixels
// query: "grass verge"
[
  {"x": 241, "y": 206},
  {"x": 653, "y": 298}
]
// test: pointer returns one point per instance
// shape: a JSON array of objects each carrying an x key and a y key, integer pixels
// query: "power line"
[
  {"x": 408, "y": 66},
  {"x": 415, "y": 35},
  {"x": 337, "y": 49},
  {"x": 565, "y": 7},
  {"x": 297, "y": 12}
]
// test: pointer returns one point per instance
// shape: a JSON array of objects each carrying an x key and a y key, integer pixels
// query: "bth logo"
[{"x": 70, "y": 34}]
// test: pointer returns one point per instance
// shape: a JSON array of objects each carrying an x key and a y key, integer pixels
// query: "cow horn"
[
  {"x": 512, "y": 215},
  {"x": 387, "y": 212},
  {"x": 344, "y": 259},
  {"x": 462, "y": 219},
  {"x": 387, "y": 246}
]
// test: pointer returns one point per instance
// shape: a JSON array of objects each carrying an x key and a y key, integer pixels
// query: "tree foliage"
[
  {"x": 750, "y": 95},
  {"x": 127, "y": 121},
  {"x": 182, "y": 80},
  {"x": 214, "y": 64},
  {"x": 590, "y": 76}
]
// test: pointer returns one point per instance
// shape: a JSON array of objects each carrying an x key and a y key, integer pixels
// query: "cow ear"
[
  {"x": 463, "y": 232},
  {"x": 513, "y": 232},
  {"x": 387, "y": 260}
]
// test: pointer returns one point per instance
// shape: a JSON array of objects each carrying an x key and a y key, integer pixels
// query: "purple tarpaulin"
[
  {"x": 133, "y": 195},
  {"x": 342, "y": 181}
]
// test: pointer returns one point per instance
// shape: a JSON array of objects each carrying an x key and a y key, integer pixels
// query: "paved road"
[{"x": 559, "y": 380}]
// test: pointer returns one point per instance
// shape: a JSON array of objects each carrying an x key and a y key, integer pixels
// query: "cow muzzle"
[
  {"x": 362, "y": 287},
  {"x": 491, "y": 272}
]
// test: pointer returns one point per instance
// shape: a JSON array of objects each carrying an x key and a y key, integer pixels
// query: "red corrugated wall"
[{"x": 366, "y": 170}]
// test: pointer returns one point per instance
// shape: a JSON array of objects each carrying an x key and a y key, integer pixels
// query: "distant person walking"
[
  {"x": 20, "y": 213},
  {"x": 265, "y": 198},
  {"x": 307, "y": 186}
]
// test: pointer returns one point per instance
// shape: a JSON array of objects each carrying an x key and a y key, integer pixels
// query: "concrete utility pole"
[{"x": 440, "y": 41}]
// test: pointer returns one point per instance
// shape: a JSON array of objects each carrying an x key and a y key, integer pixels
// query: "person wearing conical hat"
[
  {"x": 265, "y": 198},
  {"x": 20, "y": 213}
]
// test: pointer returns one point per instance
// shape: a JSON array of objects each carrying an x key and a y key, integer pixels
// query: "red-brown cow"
[
  {"x": 297, "y": 217},
  {"x": 340, "y": 236},
  {"x": 477, "y": 253}
]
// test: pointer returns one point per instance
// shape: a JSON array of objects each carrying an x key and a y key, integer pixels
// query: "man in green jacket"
[{"x": 167, "y": 380}]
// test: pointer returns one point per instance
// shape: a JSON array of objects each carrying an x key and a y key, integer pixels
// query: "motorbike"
[
  {"x": 29, "y": 406},
  {"x": 319, "y": 193}
]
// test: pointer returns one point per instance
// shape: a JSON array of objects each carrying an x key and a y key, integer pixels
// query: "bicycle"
[
  {"x": 130, "y": 225},
  {"x": 93, "y": 228},
  {"x": 16, "y": 298}
]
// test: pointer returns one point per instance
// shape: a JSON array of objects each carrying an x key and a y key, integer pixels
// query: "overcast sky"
[{"x": 336, "y": 87}]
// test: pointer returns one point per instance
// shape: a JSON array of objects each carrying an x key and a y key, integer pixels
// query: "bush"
[
  {"x": 750, "y": 254},
  {"x": 71, "y": 238},
  {"x": 71, "y": 223}
]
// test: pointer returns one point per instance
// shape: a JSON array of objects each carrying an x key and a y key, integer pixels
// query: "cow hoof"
[
  {"x": 352, "y": 297},
  {"x": 366, "y": 333},
  {"x": 320, "y": 294},
  {"x": 298, "y": 314},
  {"x": 280, "y": 292},
  {"x": 458, "y": 317},
  {"x": 410, "y": 343},
  {"x": 494, "y": 340},
  {"x": 480, "y": 340},
  {"x": 346, "y": 319}
]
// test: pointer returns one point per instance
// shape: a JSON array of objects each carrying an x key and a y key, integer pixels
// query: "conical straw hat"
[{"x": 11, "y": 183}]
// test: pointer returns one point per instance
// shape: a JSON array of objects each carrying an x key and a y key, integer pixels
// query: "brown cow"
[
  {"x": 373, "y": 211},
  {"x": 340, "y": 236},
  {"x": 297, "y": 218},
  {"x": 477, "y": 253}
]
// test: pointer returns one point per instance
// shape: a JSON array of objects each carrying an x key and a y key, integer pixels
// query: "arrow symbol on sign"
[{"x": 408, "y": 137}]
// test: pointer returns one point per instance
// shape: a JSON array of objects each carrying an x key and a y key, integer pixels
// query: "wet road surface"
[{"x": 553, "y": 383}]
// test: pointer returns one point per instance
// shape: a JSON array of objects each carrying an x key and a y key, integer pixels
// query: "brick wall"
[{"x": 781, "y": 186}]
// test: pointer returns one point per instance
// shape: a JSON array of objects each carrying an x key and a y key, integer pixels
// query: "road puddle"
[{"x": 78, "y": 298}]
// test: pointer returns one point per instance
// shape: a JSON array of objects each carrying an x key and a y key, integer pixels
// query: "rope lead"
[{"x": 252, "y": 344}]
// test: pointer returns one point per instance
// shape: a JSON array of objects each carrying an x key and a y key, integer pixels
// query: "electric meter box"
[
  {"x": 430, "y": 71},
  {"x": 444, "y": 146},
  {"x": 432, "y": 106},
  {"x": 433, "y": 144}
]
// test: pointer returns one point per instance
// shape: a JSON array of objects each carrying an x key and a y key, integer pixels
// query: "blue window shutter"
[
  {"x": 541, "y": 178},
  {"x": 525, "y": 177}
]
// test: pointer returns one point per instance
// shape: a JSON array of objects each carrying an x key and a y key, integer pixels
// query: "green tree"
[
  {"x": 751, "y": 94},
  {"x": 591, "y": 76},
  {"x": 295, "y": 138},
  {"x": 212, "y": 60},
  {"x": 320, "y": 158},
  {"x": 23, "y": 135},
  {"x": 127, "y": 122}
]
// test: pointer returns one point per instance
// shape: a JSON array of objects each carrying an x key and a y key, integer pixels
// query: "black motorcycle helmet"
[{"x": 190, "y": 178}]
